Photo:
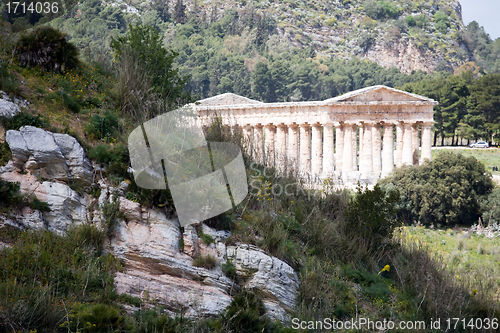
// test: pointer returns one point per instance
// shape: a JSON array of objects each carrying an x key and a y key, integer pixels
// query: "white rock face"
[
  {"x": 52, "y": 156},
  {"x": 272, "y": 276},
  {"x": 150, "y": 250},
  {"x": 8, "y": 109},
  {"x": 67, "y": 207}
]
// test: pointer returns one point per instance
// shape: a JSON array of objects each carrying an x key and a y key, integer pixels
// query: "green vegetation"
[
  {"x": 146, "y": 65},
  {"x": 208, "y": 262},
  {"x": 468, "y": 108},
  {"x": 23, "y": 119},
  {"x": 489, "y": 157},
  {"x": 381, "y": 9},
  {"x": 350, "y": 256},
  {"x": 445, "y": 191},
  {"x": 44, "y": 277},
  {"x": 48, "y": 48},
  {"x": 471, "y": 258},
  {"x": 10, "y": 196}
]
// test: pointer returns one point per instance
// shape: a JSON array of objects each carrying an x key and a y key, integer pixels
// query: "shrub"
[
  {"x": 5, "y": 153},
  {"x": 70, "y": 103},
  {"x": 146, "y": 74},
  {"x": 207, "y": 239},
  {"x": 446, "y": 190},
  {"x": 10, "y": 195},
  {"x": 101, "y": 153},
  {"x": 8, "y": 82},
  {"x": 490, "y": 206},
  {"x": 23, "y": 119},
  {"x": 229, "y": 269},
  {"x": 39, "y": 205},
  {"x": 371, "y": 216},
  {"x": 246, "y": 313},
  {"x": 410, "y": 20},
  {"x": 102, "y": 127},
  {"x": 48, "y": 48},
  {"x": 381, "y": 9},
  {"x": 208, "y": 262}
]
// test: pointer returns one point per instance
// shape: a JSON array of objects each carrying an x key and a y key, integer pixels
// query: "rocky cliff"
[
  {"x": 409, "y": 35},
  {"x": 158, "y": 256}
]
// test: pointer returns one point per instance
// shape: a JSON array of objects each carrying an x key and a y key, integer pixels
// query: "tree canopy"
[{"x": 447, "y": 190}]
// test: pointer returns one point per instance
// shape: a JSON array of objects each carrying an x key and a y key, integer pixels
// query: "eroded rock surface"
[
  {"x": 67, "y": 207},
  {"x": 149, "y": 246},
  {"x": 50, "y": 155}
]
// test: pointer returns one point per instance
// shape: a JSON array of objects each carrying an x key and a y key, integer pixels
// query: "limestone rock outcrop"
[
  {"x": 157, "y": 255},
  {"x": 49, "y": 155},
  {"x": 8, "y": 109},
  {"x": 275, "y": 279},
  {"x": 66, "y": 206},
  {"x": 149, "y": 246}
]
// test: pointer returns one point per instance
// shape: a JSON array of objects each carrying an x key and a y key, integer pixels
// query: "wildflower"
[
  {"x": 386, "y": 268},
  {"x": 474, "y": 292}
]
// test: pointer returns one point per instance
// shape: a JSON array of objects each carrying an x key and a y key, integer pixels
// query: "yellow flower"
[
  {"x": 386, "y": 268},
  {"x": 474, "y": 292}
]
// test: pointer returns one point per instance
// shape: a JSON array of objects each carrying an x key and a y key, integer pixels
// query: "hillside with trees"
[{"x": 83, "y": 248}]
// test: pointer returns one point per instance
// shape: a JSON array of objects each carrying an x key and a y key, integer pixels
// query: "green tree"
[
  {"x": 446, "y": 191},
  {"x": 48, "y": 48},
  {"x": 180, "y": 12},
  {"x": 144, "y": 64},
  {"x": 261, "y": 82},
  {"x": 484, "y": 105}
]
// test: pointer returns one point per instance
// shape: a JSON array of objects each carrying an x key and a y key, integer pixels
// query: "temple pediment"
[
  {"x": 227, "y": 99},
  {"x": 379, "y": 94}
]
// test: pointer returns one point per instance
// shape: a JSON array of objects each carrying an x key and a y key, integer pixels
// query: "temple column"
[
  {"x": 247, "y": 139},
  {"x": 347, "y": 165},
  {"x": 258, "y": 146},
  {"x": 293, "y": 146},
  {"x": 399, "y": 145},
  {"x": 426, "y": 142},
  {"x": 280, "y": 155},
  {"x": 305, "y": 148},
  {"x": 355, "y": 159},
  {"x": 388, "y": 150},
  {"x": 316, "y": 150},
  {"x": 269, "y": 143},
  {"x": 407, "y": 145},
  {"x": 366, "y": 160},
  {"x": 361, "y": 131},
  {"x": 415, "y": 144},
  {"x": 339, "y": 146},
  {"x": 376, "y": 142},
  {"x": 328, "y": 161}
]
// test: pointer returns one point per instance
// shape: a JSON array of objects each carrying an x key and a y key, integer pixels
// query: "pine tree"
[{"x": 180, "y": 12}]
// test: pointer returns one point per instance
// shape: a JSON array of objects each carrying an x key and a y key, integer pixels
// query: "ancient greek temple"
[{"x": 361, "y": 135}]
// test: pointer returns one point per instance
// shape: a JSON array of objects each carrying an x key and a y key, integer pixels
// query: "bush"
[
  {"x": 48, "y": 48},
  {"x": 371, "y": 216},
  {"x": 490, "y": 206},
  {"x": 410, "y": 20},
  {"x": 8, "y": 82},
  {"x": 102, "y": 127},
  {"x": 447, "y": 190},
  {"x": 149, "y": 84},
  {"x": 10, "y": 195},
  {"x": 5, "y": 153},
  {"x": 208, "y": 262},
  {"x": 39, "y": 205},
  {"x": 23, "y": 119},
  {"x": 229, "y": 269},
  {"x": 381, "y": 9},
  {"x": 70, "y": 103}
]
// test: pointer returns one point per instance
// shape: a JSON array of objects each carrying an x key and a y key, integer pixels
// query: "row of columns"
[{"x": 311, "y": 147}]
